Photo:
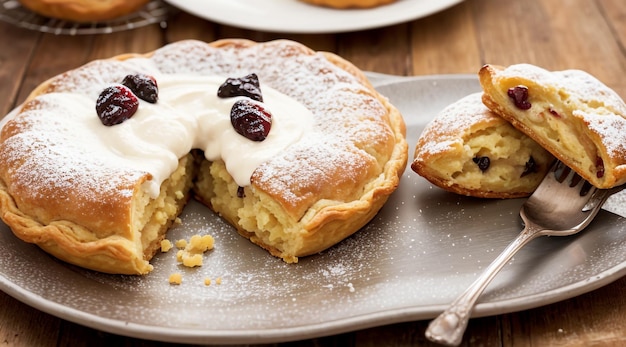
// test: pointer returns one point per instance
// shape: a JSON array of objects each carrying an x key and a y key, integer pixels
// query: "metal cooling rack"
[{"x": 11, "y": 11}]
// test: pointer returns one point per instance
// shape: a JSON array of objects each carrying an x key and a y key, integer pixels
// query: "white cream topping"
[{"x": 188, "y": 115}]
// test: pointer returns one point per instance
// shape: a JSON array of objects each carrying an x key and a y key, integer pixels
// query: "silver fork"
[{"x": 563, "y": 204}]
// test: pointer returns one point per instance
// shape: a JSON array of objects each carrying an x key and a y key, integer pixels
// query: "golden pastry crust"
[
  {"x": 84, "y": 10},
  {"x": 570, "y": 113},
  {"x": 453, "y": 147},
  {"x": 349, "y": 3},
  {"x": 313, "y": 195}
]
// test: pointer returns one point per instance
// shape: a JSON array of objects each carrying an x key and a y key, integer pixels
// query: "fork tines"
[{"x": 562, "y": 172}]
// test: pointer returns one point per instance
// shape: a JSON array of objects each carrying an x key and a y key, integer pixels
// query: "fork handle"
[{"x": 449, "y": 326}]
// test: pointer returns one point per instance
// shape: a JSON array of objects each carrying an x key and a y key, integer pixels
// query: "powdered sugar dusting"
[
  {"x": 612, "y": 129},
  {"x": 347, "y": 120},
  {"x": 451, "y": 125},
  {"x": 599, "y": 106},
  {"x": 81, "y": 177}
]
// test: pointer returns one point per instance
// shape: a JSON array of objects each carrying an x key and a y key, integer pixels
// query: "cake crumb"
[
  {"x": 191, "y": 259},
  {"x": 207, "y": 281},
  {"x": 200, "y": 243},
  {"x": 166, "y": 245},
  {"x": 182, "y": 243},
  {"x": 191, "y": 254},
  {"x": 218, "y": 281},
  {"x": 176, "y": 278}
]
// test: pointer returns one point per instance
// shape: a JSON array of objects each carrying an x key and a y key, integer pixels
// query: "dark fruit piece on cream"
[
  {"x": 116, "y": 104},
  {"x": 519, "y": 95},
  {"x": 482, "y": 162},
  {"x": 250, "y": 119},
  {"x": 243, "y": 86},
  {"x": 144, "y": 86}
]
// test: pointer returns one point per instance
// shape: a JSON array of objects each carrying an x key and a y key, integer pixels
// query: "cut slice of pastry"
[
  {"x": 570, "y": 113},
  {"x": 469, "y": 150}
]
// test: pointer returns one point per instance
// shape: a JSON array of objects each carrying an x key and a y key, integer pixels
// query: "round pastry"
[
  {"x": 83, "y": 10},
  {"x": 573, "y": 115},
  {"x": 293, "y": 147},
  {"x": 349, "y": 3},
  {"x": 469, "y": 150}
]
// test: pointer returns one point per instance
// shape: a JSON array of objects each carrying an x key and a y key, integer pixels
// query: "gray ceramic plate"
[{"x": 423, "y": 249}]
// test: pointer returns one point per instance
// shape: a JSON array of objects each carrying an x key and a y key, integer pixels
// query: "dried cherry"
[
  {"x": 519, "y": 95},
  {"x": 144, "y": 86},
  {"x": 116, "y": 104},
  {"x": 250, "y": 119},
  {"x": 242, "y": 86},
  {"x": 554, "y": 112},
  {"x": 599, "y": 167}
]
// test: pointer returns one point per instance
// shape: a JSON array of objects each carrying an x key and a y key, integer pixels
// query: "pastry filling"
[
  {"x": 152, "y": 217},
  {"x": 559, "y": 127},
  {"x": 496, "y": 155}
]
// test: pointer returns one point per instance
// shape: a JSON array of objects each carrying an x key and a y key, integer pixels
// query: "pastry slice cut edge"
[{"x": 577, "y": 118}]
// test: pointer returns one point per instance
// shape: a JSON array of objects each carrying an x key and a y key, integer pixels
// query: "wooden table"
[{"x": 583, "y": 34}]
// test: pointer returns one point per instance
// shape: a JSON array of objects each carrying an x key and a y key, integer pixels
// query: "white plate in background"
[{"x": 294, "y": 16}]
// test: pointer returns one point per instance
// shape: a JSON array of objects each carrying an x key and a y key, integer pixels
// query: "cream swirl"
[{"x": 187, "y": 115}]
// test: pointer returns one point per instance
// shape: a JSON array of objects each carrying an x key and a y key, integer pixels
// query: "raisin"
[
  {"x": 529, "y": 167},
  {"x": 519, "y": 95},
  {"x": 243, "y": 86},
  {"x": 144, "y": 86},
  {"x": 116, "y": 104},
  {"x": 554, "y": 113},
  {"x": 250, "y": 119},
  {"x": 241, "y": 193},
  {"x": 482, "y": 162},
  {"x": 599, "y": 167}
]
